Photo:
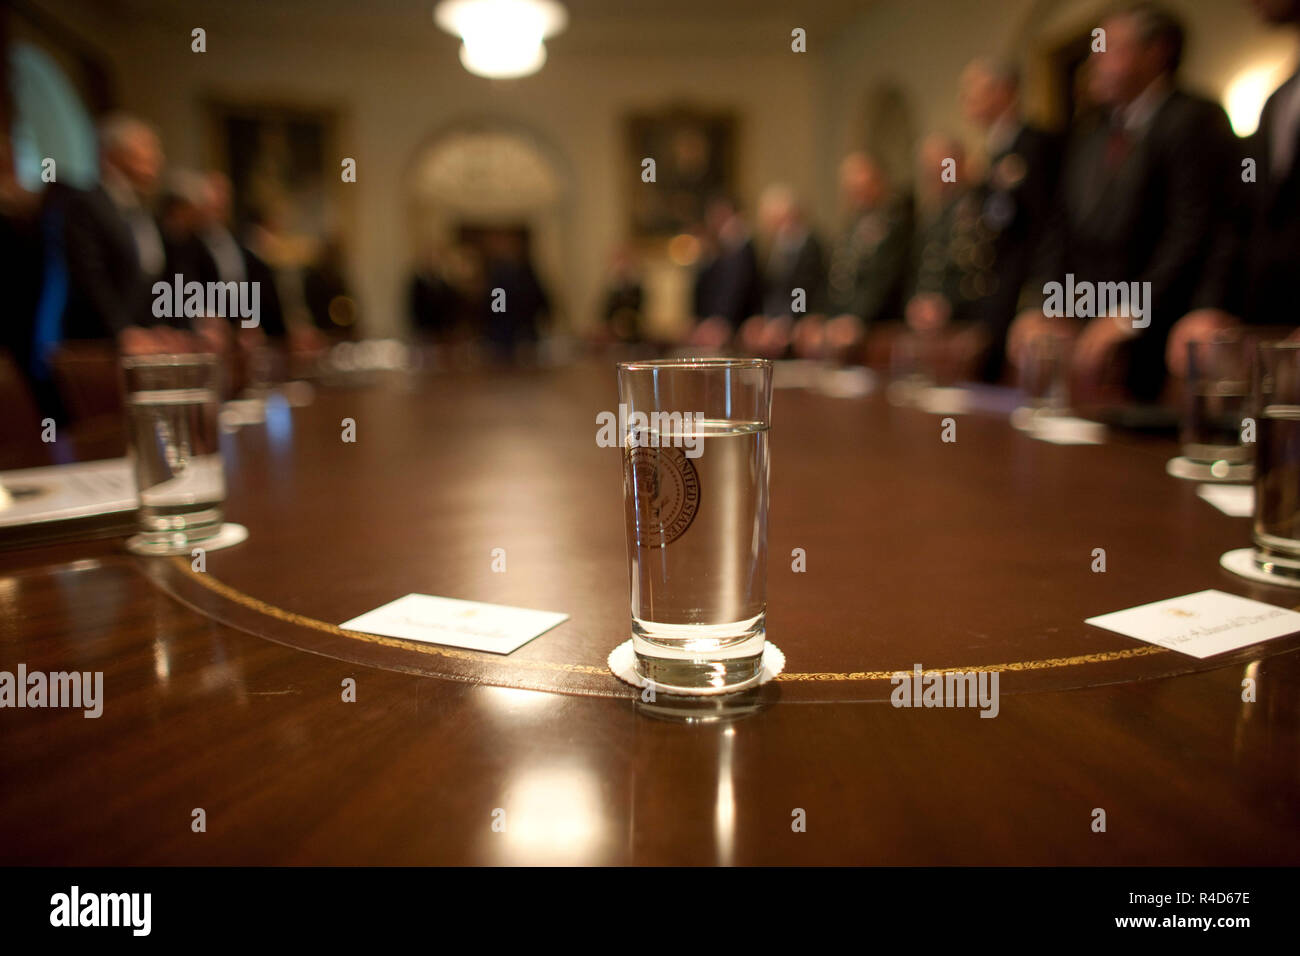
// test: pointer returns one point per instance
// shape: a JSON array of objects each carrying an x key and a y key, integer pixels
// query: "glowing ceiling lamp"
[{"x": 502, "y": 39}]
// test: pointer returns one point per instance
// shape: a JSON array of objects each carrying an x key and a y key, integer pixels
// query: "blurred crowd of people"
[
  {"x": 484, "y": 291},
  {"x": 87, "y": 261},
  {"x": 1148, "y": 185}
]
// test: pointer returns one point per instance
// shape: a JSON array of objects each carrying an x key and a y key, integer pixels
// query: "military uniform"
[{"x": 868, "y": 266}]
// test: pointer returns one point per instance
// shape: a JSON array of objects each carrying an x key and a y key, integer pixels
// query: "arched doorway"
[{"x": 474, "y": 189}]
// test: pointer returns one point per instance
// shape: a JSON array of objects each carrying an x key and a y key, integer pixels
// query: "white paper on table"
[
  {"x": 64, "y": 492},
  {"x": 470, "y": 624},
  {"x": 1202, "y": 624}
]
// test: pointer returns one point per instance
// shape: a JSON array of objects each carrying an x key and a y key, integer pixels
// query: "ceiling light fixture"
[{"x": 502, "y": 39}]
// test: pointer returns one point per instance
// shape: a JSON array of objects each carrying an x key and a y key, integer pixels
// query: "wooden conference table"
[{"x": 223, "y": 688}]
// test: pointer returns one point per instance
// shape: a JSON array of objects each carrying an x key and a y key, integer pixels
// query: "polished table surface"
[{"x": 223, "y": 687}]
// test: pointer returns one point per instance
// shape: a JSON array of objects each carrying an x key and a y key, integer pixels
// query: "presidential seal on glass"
[{"x": 695, "y": 474}]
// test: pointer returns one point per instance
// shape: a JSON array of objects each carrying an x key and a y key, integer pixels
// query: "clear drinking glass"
[
  {"x": 1043, "y": 374},
  {"x": 172, "y": 402},
  {"x": 1277, "y": 459},
  {"x": 1217, "y": 389},
  {"x": 695, "y": 468},
  {"x": 911, "y": 370}
]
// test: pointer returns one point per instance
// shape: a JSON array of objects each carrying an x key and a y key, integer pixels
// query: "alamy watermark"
[
  {"x": 75, "y": 908},
  {"x": 76, "y": 689},
  {"x": 651, "y": 430},
  {"x": 1088, "y": 300},
  {"x": 947, "y": 689},
  {"x": 194, "y": 300}
]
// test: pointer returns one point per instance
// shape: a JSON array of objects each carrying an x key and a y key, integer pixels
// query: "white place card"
[
  {"x": 469, "y": 624},
  {"x": 846, "y": 382},
  {"x": 944, "y": 400},
  {"x": 1202, "y": 624},
  {"x": 1235, "y": 500},
  {"x": 1067, "y": 430}
]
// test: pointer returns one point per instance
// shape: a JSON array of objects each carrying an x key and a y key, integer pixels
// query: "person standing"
[
  {"x": 1139, "y": 200},
  {"x": 1014, "y": 197},
  {"x": 114, "y": 249}
]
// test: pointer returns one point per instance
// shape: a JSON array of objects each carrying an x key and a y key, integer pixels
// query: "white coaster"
[
  {"x": 1025, "y": 418},
  {"x": 622, "y": 662},
  {"x": 1242, "y": 562},
  {"x": 230, "y": 535},
  {"x": 1182, "y": 467},
  {"x": 1238, "y": 501}
]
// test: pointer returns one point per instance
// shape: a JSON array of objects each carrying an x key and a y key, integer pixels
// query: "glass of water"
[
  {"x": 1277, "y": 459},
  {"x": 695, "y": 466},
  {"x": 172, "y": 402},
  {"x": 1044, "y": 374},
  {"x": 1215, "y": 395}
]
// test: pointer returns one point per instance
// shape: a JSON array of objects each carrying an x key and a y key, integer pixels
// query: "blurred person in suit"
[
  {"x": 180, "y": 215},
  {"x": 434, "y": 303},
  {"x": 1015, "y": 194},
  {"x": 794, "y": 259},
  {"x": 225, "y": 258},
  {"x": 192, "y": 212},
  {"x": 728, "y": 289},
  {"x": 515, "y": 304},
  {"x": 793, "y": 273},
  {"x": 1138, "y": 201},
  {"x": 624, "y": 303},
  {"x": 868, "y": 265},
  {"x": 280, "y": 261},
  {"x": 1252, "y": 275},
  {"x": 951, "y": 260},
  {"x": 21, "y": 250},
  {"x": 950, "y": 256},
  {"x": 114, "y": 249}
]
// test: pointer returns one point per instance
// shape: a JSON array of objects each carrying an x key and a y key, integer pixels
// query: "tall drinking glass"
[
  {"x": 1277, "y": 459},
  {"x": 911, "y": 370},
  {"x": 1044, "y": 374},
  {"x": 1216, "y": 393},
  {"x": 695, "y": 466},
  {"x": 172, "y": 403}
]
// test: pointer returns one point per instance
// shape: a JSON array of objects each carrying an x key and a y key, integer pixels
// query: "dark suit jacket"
[
  {"x": 868, "y": 268},
  {"x": 433, "y": 303},
  {"x": 729, "y": 286},
  {"x": 1016, "y": 197},
  {"x": 199, "y": 258},
  {"x": 1149, "y": 219},
  {"x": 805, "y": 269},
  {"x": 108, "y": 290}
]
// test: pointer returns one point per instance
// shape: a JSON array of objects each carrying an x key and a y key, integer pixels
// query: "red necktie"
[{"x": 1118, "y": 145}]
